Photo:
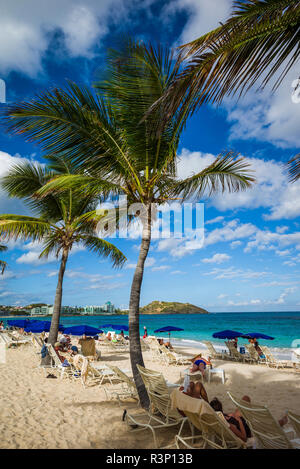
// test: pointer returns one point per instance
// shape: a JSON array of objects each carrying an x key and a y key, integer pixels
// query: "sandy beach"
[{"x": 37, "y": 412}]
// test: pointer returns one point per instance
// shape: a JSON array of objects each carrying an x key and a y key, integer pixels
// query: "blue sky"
[{"x": 250, "y": 260}]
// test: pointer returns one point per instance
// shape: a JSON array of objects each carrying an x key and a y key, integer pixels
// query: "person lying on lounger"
[
  {"x": 166, "y": 344},
  {"x": 196, "y": 390},
  {"x": 200, "y": 363}
]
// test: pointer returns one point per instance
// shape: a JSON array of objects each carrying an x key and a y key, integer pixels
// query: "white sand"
[{"x": 36, "y": 412}]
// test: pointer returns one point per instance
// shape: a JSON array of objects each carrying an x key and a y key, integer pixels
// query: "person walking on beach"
[{"x": 145, "y": 332}]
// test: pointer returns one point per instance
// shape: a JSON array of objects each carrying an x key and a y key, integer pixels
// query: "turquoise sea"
[{"x": 283, "y": 326}]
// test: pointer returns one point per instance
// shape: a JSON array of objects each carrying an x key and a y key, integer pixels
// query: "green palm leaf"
[{"x": 259, "y": 41}]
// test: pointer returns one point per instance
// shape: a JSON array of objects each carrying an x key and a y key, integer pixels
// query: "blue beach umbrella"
[
  {"x": 82, "y": 329},
  {"x": 115, "y": 327},
  {"x": 169, "y": 329},
  {"x": 19, "y": 322},
  {"x": 257, "y": 335},
  {"x": 227, "y": 334},
  {"x": 41, "y": 326}
]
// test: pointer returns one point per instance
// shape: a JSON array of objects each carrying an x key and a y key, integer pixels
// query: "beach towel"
[{"x": 190, "y": 404}]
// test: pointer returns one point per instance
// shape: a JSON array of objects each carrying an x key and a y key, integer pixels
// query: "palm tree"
[
  {"x": 2, "y": 263},
  {"x": 260, "y": 38},
  {"x": 61, "y": 222},
  {"x": 107, "y": 138}
]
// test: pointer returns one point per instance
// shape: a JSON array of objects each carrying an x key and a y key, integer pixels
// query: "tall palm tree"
[
  {"x": 107, "y": 138},
  {"x": 61, "y": 223},
  {"x": 260, "y": 39},
  {"x": 2, "y": 263}
]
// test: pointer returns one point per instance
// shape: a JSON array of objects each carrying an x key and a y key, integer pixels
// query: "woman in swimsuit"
[{"x": 200, "y": 363}]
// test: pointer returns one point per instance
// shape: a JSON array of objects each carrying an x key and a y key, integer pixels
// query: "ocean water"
[{"x": 283, "y": 326}]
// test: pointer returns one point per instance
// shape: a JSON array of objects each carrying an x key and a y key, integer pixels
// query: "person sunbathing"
[
  {"x": 196, "y": 390},
  {"x": 200, "y": 364},
  {"x": 166, "y": 344},
  {"x": 235, "y": 421},
  {"x": 283, "y": 421}
]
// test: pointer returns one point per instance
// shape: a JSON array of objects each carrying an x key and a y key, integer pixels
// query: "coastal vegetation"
[
  {"x": 171, "y": 307},
  {"x": 116, "y": 152}
]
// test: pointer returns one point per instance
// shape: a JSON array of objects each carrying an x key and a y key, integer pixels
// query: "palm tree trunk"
[
  {"x": 58, "y": 297},
  {"x": 136, "y": 356}
]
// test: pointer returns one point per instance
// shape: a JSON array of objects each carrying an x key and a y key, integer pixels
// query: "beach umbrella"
[
  {"x": 227, "y": 334},
  {"x": 41, "y": 326},
  {"x": 19, "y": 322},
  {"x": 115, "y": 327},
  {"x": 82, "y": 329},
  {"x": 169, "y": 329},
  {"x": 257, "y": 335}
]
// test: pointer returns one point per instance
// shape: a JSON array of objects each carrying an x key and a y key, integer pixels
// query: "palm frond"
[
  {"x": 3, "y": 248},
  {"x": 19, "y": 226},
  {"x": 259, "y": 41},
  {"x": 227, "y": 172},
  {"x": 105, "y": 249},
  {"x": 293, "y": 166},
  {"x": 3, "y": 266}
]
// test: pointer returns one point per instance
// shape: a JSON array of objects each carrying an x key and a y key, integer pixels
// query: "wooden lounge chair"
[
  {"x": 214, "y": 430},
  {"x": 267, "y": 432},
  {"x": 272, "y": 362},
  {"x": 160, "y": 413},
  {"x": 212, "y": 351},
  {"x": 294, "y": 420}
]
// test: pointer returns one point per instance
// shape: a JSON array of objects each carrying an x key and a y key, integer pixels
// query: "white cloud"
[
  {"x": 150, "y": 261},
  {"x": 231, "y": 273},
  {"x": 26, "y": 29},
  {"x": 235, "y": 244},
  {"x": 203, "y": 16},
  {"x": 267, "y": 117},
  {"x": 272, "y": 189},
  {"x": 160, "y": 268},
  {"x": 218, "y": 258},
  {"x": 214, "y": 220}
]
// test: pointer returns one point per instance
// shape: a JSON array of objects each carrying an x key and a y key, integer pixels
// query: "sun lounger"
[
  {"x": 254, "y": 354},
  {"x": 213, "y": 429},
  {"x": 160, "y": 413},
  {"x": 267, "y": 432},
  {"x": 236, "y": 355},
  {"x": 173, "y": 358},
  {"x": 271, "y": 361},
  {"x": 294, "y": 420},
  {"x": 126, "y": 389},
  {"x": 6, "y": 339},
  {"x": 212, "y": 351}
]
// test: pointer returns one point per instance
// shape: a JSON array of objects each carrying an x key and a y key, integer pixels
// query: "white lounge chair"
[{"x": 267, "y": 432}]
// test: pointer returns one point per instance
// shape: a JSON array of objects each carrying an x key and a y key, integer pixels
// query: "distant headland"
[{"x": 171, "y": 307}]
